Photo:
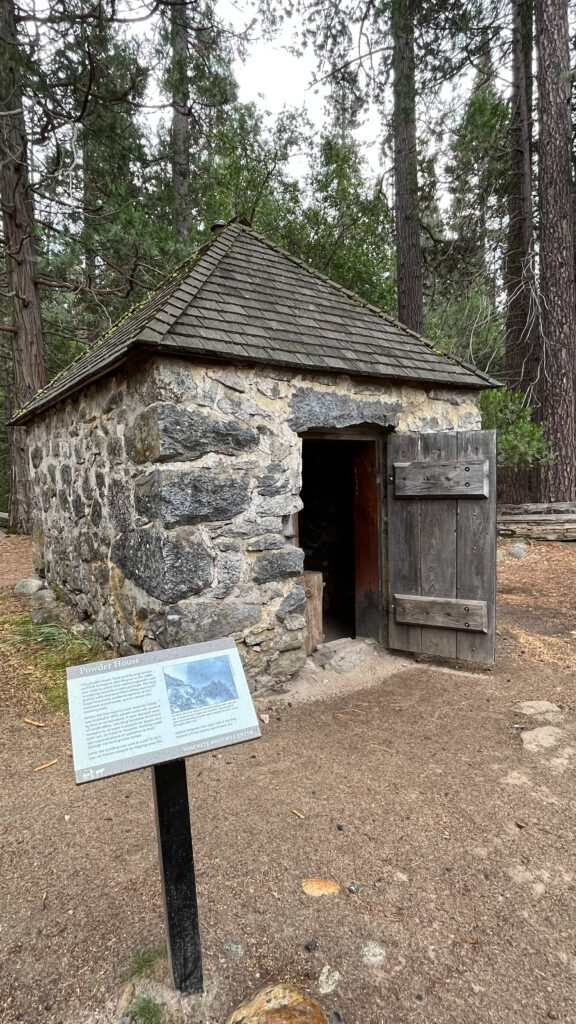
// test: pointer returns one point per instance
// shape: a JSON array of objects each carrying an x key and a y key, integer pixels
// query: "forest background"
[{"x": 122, "y": 138}]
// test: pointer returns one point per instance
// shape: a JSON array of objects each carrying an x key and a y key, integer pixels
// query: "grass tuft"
[
  {"x": 146, "y": 1011},
  {"x": 56, "y": 638},
  {"x": 143, "y": 963},
  {"x": 51, "y": 650}
]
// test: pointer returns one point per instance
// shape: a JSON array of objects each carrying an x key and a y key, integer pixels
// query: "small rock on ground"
[
  {"x": 320, "y": 887},
  {"x": 518, "y": 550},
  {"x": 329, "y": 978},
  {"x": 373, "y": 955},
  {"x": 233, "y": 950},
  {"x": 54, "y": 615},
  {"x": 279, "y": 1004},
  {"x": 125, "y": 998},
  {"x": 43, "y": 599},
  {"x": 25, "y": 588},
  {"x": 543, "y": 738},
  {"x": 342, "y": 655},
  {"x": 536, "y": 707}
]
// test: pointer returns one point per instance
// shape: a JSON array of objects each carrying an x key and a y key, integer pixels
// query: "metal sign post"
[
  {"x": 154, "y": 710},
  {"x": 178, "y": 878}
]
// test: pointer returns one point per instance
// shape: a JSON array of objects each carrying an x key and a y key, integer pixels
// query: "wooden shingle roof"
[{"x": 243, "y": 300}]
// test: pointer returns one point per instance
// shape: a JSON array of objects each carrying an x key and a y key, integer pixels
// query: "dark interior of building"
[{"x": 326, "y": 528}]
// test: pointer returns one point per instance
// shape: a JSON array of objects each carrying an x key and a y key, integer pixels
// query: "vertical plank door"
[
  {"x": 442, "y": 544},
  {"x": 368, "y": 591}
]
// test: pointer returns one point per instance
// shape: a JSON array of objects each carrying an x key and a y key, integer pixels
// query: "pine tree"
[
  {"x": 406, "y": 202},
  {"x": 202, "y": 90},
  {"x": 20, "y": 255},
  {"x": 557, "y": 482},
  {"x": 522, "y": 320}
]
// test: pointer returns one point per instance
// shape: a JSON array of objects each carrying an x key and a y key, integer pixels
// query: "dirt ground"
[
  {"x": 418, "y": 790},
  {"x": 15, "y": 561}
]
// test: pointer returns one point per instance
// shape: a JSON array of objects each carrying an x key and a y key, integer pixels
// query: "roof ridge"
[
  {"x": 191, "y": 263},
  {"x": 204, "y": 273},
  {"x": 360, "y": 301}
]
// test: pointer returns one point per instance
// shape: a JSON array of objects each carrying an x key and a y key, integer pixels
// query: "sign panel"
[{"x": 128, "y": 713}]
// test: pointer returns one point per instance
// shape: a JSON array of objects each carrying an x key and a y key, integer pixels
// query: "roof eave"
[
  {"x": 27, "y": 414},
  {"x": 482, "y": 381}
]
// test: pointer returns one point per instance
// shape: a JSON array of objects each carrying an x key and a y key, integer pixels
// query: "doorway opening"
[{"x": 339, "y": 532}]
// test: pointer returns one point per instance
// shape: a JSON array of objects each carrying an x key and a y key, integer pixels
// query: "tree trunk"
[
  {"x": 522, "y": 311},
  {"x": 522, "y": 346},
  {"x": 557, "y": 297},
  {"x": 21, "y": 260},
  {"x": 408, "y": 252},
  {"x": 180, "y": 39}
]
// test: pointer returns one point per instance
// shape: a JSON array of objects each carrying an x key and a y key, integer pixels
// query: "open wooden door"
[
  {"x": 442, "y": 543},
  {"x": 367, "y": 532}
]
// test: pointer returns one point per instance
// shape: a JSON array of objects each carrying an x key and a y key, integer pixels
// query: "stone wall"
[{"x": 164, "y": 499}]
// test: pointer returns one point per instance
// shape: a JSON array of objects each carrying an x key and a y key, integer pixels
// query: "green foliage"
[
  {"x": 57, "y": 640},
  {"x": 144, "y": 962},
  {"x": 521, "y": 442},
  {"x": 466, "y": 325},
  {"x": 478, "y": 177},
  {"x": 338, "y": 220},
  {"x": 464, "y": 248},
  {"x": 103, "y": 170},
  {"x": 346, "y": 227},
  {"x": 146, "y": 1011}
]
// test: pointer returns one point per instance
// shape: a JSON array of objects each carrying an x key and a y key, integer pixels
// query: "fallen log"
[
  {"x": 539, "y": 509},
  {"x": 538, "y": 522}
]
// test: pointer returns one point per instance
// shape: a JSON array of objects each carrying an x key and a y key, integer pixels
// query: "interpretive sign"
[
  {"x": 156, "y": 709},
  {"x": 128, "y": 713}
]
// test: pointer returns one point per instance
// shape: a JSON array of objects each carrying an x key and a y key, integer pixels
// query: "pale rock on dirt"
[
  {"x": 45, "y": 598},
  {"x": 542, "y": 738},
  {"x": 360, "y": 664},
  {"x": 125, "y": 998},
  {"x": 25, "y": 588},
  {"x": 543, "y": 710},
  {"x": 518, "y": 550},
  {"x": 536, "y": 707},
  {"x": 328, "y": 980},
  {"x": 343, "y": 655},
  {"x": 374, "y": 955}
]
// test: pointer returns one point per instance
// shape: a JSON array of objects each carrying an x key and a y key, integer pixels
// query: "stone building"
[{"x": 244, "y": 425}]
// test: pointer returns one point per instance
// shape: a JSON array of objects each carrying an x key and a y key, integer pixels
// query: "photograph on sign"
[
  {"x": 197, "y": 684},
  {"x": 128, "y": 713}
]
